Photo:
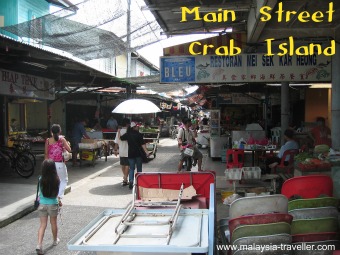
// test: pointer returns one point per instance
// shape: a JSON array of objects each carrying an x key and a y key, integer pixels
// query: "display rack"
[{"x": 215, "y": 119}]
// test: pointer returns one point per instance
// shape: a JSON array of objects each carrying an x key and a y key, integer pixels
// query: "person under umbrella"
[{"x": 136, "y": 148}]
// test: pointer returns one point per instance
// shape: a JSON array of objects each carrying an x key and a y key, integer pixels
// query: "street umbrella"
[{"x": 136, "y": 106}]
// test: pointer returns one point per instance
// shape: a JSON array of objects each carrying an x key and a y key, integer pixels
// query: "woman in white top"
[{"x": 123, "y": 150}]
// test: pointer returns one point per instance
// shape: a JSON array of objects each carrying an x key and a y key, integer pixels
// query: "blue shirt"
[
  {"x": 289, "y": 145},
  {"x": 78, "y": 132}
]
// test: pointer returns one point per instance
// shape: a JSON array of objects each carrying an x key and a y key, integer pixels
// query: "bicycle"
[
  {"x": 21, "y": 163},
  {"x": 24, "y": 147}
]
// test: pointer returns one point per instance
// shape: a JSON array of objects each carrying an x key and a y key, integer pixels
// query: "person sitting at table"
[{"x": 289, "y": 145}]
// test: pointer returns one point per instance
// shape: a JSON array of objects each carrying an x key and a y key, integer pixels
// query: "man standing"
[
  {"x": 123, "y": 150},
  {"x": 187, "y": 137},
  {"x": 321, "y": 134},
  {"x": 112, "y": 123},
  {"x": 78, "y": 132}
]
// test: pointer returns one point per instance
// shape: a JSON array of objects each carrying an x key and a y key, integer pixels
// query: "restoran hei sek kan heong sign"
[
  {"x": 245, "y": 68},
  {"x": 24, "y": 85}
]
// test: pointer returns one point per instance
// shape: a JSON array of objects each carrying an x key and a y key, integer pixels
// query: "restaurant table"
[{"x": 257, "y": 150}]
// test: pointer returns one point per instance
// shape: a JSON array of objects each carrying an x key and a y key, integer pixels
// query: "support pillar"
[
  {"x": 284, "y": 108},
  {"x": 336, "y": 99}
]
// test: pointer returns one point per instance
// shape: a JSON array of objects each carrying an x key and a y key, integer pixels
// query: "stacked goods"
[
  {"x": 306, "y": 162},
  {"x": 260, "y": 221},
  {"x": 314, "y": 211},
  {"x": 148, "y": 130}
]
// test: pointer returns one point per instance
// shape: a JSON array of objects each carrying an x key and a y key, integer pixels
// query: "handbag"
[
  {"x": 189, "y": 152},
  {"x": 145, "y": 158},
  {"x": 66, "y": 155},
  {"x": 37, "y": 199}
]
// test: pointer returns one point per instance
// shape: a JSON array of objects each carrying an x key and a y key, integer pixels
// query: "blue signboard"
[
  {"x": 177, "y": 69},
  {"x": 245, "y": 68}
]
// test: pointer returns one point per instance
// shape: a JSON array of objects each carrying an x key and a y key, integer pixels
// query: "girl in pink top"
[{"x": 54, "y": 147}]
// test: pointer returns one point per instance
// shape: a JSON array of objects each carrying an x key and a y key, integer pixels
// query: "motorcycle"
[{"x": 189, "y": 161}]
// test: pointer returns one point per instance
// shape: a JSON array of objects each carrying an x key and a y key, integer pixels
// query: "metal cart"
[
  {"x": 91, "y": 149},
  {"x": 157, "y": 227},
  {"x": 151, "y": 139}
]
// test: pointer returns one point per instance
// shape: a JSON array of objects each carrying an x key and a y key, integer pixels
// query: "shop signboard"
[
  {"x": 245, "y": 68},
  {"x": 240, "y": 98},
  {"x": 24, "y": 85}
]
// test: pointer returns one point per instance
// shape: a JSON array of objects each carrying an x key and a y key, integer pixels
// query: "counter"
[{"x": 216, "y": 145}]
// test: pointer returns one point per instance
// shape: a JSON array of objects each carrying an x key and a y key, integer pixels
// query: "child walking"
[{"x": 48, "y": 193}]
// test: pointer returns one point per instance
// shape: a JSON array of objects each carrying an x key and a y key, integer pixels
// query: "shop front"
[{"x": 24, "y": 100}]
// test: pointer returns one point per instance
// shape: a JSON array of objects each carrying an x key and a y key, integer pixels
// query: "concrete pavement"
[{"x": 18, "y": 194}]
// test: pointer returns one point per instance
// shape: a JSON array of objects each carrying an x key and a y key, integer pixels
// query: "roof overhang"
[{"x": 65, "y": 70}]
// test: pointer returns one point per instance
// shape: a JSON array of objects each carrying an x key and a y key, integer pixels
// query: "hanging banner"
[
  {"x": 245, "y": 68},
  {"x": 24, "y": 85}
]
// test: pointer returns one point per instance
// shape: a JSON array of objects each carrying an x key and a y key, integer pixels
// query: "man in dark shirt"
[
  {"x": 78, "y": 132},
  {"x": 136, "y": 146}
]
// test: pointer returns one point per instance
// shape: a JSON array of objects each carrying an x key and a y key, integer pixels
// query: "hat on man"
[{"x": 134, "y": 124}]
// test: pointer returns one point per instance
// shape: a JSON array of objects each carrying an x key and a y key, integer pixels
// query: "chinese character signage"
[
  {"x": 245, "y": 68},
  {"x": 24, "y": 85}
]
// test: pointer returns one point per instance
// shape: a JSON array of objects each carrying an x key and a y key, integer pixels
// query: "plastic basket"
[
  {"x": 233, "y": 173},
  {"x": 251, "y": 172}
]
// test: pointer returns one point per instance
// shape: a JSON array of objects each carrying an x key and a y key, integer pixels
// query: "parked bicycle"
[
  {"x": 24, "y": 147},
  {"x": 19, "y": 162}
]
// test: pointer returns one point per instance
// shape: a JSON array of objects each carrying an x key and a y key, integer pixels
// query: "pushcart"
[
  {"x": 151, "y": 139},
  {"x": 155, "y": 227},
  {"x": 91, "y": 149}
]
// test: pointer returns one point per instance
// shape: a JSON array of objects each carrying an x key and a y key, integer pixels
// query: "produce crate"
[
  {"x": 251, "y": 173},
  {"x": 233, "y": 173}
]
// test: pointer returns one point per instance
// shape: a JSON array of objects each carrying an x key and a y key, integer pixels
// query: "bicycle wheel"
[
  {"x": 24, "y": 166},
  {"x": 31, "y": 156}
]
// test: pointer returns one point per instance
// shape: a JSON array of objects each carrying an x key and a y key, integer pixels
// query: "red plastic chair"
[
  {"x": 235, "y": 158},
  {"x": 309, "y": 186},
  {"x": 286, "y": 168}
]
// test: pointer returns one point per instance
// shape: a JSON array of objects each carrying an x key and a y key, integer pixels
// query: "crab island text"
[{"x": 282, "y": 15}]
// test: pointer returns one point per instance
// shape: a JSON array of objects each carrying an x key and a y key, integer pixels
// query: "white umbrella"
[{"x": 136, "y": 106}]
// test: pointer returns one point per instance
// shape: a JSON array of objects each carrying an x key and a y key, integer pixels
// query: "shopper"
[
  {"x": 123, "y": 146},
  {"x": 290, "y": 144},
  {"x": 112, "y": 123},
  {"x": 187, "y": 137},
  {"x": 136, "y": 149},
  {"x": 78, "y": 133},
  {"x": 48, "y": 194},
  {"x": 54, "y": 147}
]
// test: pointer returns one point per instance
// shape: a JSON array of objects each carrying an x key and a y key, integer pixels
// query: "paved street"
[{"x": 89, "y": 196}]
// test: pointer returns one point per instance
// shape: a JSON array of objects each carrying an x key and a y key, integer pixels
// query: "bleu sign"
[
  {"x": 177, "y": 69},
  {"x": 246, "y": 68}
]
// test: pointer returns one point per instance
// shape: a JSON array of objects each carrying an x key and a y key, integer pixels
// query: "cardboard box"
[
  {"x": 158, "y": 195},
  {"x": 88, "y": 155}
]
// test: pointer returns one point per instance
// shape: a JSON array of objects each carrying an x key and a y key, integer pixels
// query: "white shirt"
[
  {"x": 123, "y": 145},
  {"x": 186, "y": 135}
]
